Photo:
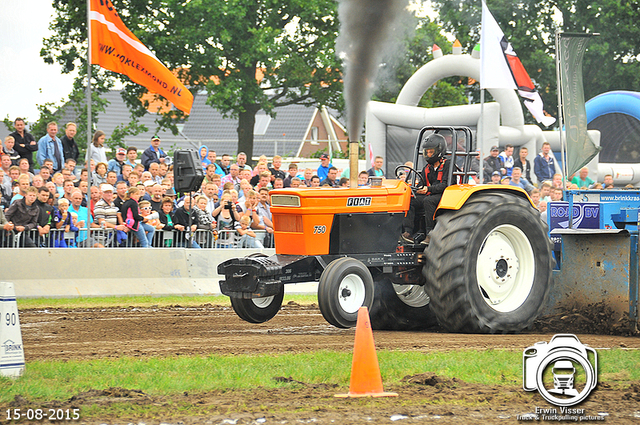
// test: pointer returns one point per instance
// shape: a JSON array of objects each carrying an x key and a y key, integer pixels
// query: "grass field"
[
  {"x": 142, "y": 301},
  {"x": 60, "y": 380},
  {"x": 48, "y": 380}
]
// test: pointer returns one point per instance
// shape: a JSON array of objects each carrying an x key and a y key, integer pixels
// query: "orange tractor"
[{"x": 486, "y": 268}]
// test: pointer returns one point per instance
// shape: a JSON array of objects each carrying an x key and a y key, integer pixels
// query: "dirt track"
[
  {"x": 99, "y": 333},
  {"x": 146, "y": 332}
]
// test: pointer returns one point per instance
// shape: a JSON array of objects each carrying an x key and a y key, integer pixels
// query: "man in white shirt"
[{"x": 507, "y": 159}]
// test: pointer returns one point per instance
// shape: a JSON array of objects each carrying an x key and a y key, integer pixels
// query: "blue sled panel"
[{"x": 595, "y": 267}]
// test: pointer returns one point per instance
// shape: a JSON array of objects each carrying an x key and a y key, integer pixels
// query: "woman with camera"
[{"x": 226, "y": 216}]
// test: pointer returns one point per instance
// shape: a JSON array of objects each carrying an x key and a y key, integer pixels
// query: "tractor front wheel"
[
  {"x": 258, "y": 310},
  {"x": 344, "y": 286},
  {"x": 489, "y": 265}
]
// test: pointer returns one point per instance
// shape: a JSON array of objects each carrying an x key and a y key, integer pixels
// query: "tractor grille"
[{"x": 287, "y": 223}]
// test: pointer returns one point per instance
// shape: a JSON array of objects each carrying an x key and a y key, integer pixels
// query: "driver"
[{"x": 426, "y": 200}]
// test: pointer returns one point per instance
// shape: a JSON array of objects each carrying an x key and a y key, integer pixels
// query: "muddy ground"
[{"x": 146, "y": 332}]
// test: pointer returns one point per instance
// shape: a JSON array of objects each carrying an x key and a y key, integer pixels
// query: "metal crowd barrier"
[{"x": 110, "y": 238}]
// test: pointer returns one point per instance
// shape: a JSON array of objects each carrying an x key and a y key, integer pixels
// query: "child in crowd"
[
  {"x": 9, "y": 143},
  {"x": 134, "y": 220},
  {"x": 250, "y": 203},
  {"x": 308, "y": 175},
  {"x": 5, "y": 192},
  {"x": 100, "y": 176},
  {"x": 152, "y": 217},
  {"x": 206, "y": 223},
  {"x": 258, "y": 169},
  {"x": 247, "y": 237},
  {"x": 234, "y": 200},
  {"x": 245, "y": 188},
  {"x": 204, "y": 151},
  {"x": 535, "y": 197},
  {"x": 293, "y": 172},
  {"x": 14, "y": 172},
  {"x": 58, "y": 179},
  {"x": 363, "y": 178},
  {"x": 134, "y": 178},
  {"x": 166, "y": 220},
  {"x": 98, "y": 151},
  {"x": 64, "y": 222},
  {"x": 278, "y": 183}
]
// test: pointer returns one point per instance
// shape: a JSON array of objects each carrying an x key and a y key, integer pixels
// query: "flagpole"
[
  {"x": 89, "y": 126},
  {"x": 562, "y": 135},
  {"x": 481, "y": 136},
  {"x": 560, "y": 115}
]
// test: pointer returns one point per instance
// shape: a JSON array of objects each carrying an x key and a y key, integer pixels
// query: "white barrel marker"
[{"x": 11, "y": 350}]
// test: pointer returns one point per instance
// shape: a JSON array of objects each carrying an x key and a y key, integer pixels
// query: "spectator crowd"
[
  {"x": 126, "y": 201},
  {"x": 502, "y": 168}
]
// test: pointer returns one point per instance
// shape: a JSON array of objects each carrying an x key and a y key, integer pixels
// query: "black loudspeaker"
[{"x": 187, "y": 171}]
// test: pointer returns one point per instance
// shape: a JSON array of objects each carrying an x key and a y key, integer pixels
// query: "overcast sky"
[{"x": 25, "y": 80}]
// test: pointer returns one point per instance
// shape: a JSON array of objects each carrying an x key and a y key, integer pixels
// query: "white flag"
[
  {"x": 500, "y": 68},
  {"x": 494, "y": 69}
]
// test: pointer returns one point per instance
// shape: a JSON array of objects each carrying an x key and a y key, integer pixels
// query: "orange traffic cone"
[{"x": 365, "y": 372}]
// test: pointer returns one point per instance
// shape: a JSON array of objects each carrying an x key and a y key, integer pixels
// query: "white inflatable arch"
[{"x": 503, "y": 121}]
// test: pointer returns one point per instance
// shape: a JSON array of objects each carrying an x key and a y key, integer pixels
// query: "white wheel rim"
[
  {"x": 412, "y": 295},
  {"x": 263, "y": 302},
  {"x": 505, "y": 268},
  {"x": 351, "y": 293}
]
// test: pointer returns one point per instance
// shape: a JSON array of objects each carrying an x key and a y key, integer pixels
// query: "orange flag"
[{"x": 115, "y": 48}]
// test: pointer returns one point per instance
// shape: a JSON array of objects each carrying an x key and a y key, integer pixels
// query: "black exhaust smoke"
[{"x": 365, "y": 26}]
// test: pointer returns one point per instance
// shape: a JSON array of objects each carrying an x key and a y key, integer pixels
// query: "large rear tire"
[
  {"x": 344, "y": 286},
  {"x": 489, "y": 265},
  {"x": 400, "y": 307},
  {"x": 258, "y": 310}
]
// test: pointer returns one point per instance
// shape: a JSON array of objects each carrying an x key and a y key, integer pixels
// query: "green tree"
[
  {"x": 611, "y": 60},
  {"x": 247, "y": 55},
  {"x": 46, "y": 113},
  {"x": 68, "y": 46}
]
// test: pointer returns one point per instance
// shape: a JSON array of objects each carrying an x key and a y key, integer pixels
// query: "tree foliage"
[
  {"x": 252, "y": 55},
  {"x": 246, "y": 55},
  {"x": 68, "y": 46},
  {"x": 611, "y": 61}
]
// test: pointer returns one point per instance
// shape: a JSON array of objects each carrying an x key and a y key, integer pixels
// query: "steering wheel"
[{"x": 408, "y": 177}]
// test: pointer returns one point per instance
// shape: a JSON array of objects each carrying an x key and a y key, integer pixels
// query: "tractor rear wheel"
[
  {"x": 400, "y": 307},
  {"x": 344, "y": 286},
  {"x": 489, "y": 265}
]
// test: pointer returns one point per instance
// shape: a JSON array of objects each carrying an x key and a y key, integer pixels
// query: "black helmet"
[{"x": 438, "y": 144}]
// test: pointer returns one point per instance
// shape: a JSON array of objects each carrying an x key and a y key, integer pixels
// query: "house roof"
[{"x": 281, "y": 135}]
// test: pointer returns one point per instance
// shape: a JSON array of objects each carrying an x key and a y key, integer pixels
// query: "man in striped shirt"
[{"x": 108, "y": 216}]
